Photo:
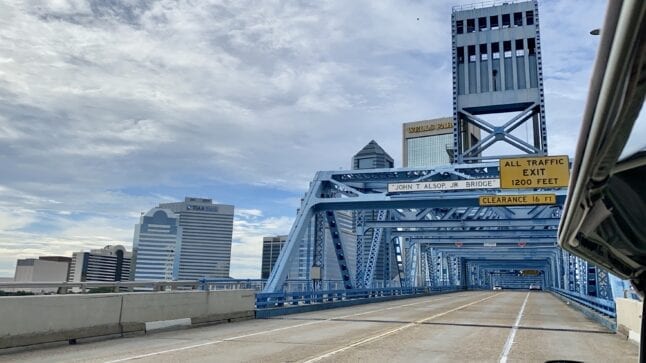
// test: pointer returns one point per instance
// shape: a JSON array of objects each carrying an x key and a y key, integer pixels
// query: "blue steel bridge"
[{"x": 434, "y": 239}]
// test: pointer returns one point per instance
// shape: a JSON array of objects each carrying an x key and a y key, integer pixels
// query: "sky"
[{"x": 108, "y": 108}]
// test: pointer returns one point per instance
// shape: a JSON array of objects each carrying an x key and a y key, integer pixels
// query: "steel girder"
[
  {"x": 437, "y": 218},
  {"x": 360, "y": 217},
  {"x": 467, "y": 223},
  {"x": 399, "y": 260},
  {"x": 338, "y": 249},
  {"x": 479, "y": 235},
  {"x": 374, "y": 249}
]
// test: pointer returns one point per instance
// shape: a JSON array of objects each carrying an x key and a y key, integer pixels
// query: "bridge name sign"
[{"x": 433, "y": 186}]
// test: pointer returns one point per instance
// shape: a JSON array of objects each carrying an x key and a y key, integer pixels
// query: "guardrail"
[
  {"x": 210, "y": 284},
  {"x": 280, "y": 299},
  {"x": 84, "y": 287},
  {"x": 606, "y": 307}
]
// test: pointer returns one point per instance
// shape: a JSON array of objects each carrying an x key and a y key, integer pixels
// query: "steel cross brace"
[{"x": 500, "y": 133}]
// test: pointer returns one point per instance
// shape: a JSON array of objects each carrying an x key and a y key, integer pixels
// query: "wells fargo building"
[{"x": 430, "y": 142}]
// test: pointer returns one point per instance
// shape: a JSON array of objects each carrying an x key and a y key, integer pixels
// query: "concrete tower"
[{"x": 497, "y": 70}]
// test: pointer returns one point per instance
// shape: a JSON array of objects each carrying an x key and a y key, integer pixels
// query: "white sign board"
[
  {"x": 433, "y": 186},
  {"x": 489, "y": 244}
]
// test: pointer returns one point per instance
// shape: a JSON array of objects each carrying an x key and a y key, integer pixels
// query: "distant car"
[
  {"x": 496, "y": 287},
  {"x": 535, "y": 287}
]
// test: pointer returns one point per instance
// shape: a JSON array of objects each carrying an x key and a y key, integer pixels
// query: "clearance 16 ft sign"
[{"x": 539, "y": 172}]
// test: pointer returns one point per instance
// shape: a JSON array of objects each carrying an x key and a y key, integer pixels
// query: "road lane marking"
[
  {"x": 146, "y": 355},
  {"x": 393, "y": 331},
  {"x": 512, "y": 333}
]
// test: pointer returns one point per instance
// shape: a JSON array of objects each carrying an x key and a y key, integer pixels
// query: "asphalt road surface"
[{"x": 484, "y": 326}]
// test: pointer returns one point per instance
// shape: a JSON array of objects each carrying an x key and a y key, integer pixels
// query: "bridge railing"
[
  {"x": 280, "y": 299},
  {"x": 63, "y": 287},
  {"x": 606, "y": 307},
  {"x": 211, "y": 284},
  {"x": 84, "y": 287}
]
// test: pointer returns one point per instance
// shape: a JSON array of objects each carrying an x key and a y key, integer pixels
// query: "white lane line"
[
  {"x": 512, "y": 333},
  {"x": 273, "y": 330},
  {"x": 393, "y": 331}
]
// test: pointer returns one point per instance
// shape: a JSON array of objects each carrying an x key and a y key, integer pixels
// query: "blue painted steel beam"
[
  {"x": 367, "y": 190},
  {"x": 476, "y": 223},
  {"x": 489, "y": 235},
  {"x": 338, "y": 248},
  {"x": 479, "y": 240},
  {"x": 421, "y": 200}
]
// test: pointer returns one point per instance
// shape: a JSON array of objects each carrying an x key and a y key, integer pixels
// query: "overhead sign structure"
[
  {"x": 517, "y": 199},
  {"x": 535, "y": 172},
  {"x": 433, "y": 186}
]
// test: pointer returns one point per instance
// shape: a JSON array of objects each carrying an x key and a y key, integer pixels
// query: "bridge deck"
[{"x": 465, "y": 326}]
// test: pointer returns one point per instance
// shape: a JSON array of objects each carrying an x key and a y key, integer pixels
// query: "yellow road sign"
[
  {"x": 517, "y": 199},
  {"x": 535, "y": 172}
]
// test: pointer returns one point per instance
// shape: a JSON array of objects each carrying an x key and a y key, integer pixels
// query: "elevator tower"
[{"x": 497, "y": 70}]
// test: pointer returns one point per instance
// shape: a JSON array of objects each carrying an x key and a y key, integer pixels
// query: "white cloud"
[
  {"x": 246, "y": 251},
  {"x": 248, "y": 213},
  {"x": 98, "y": 97}
]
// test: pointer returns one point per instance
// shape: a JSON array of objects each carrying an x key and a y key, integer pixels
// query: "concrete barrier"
[
  {"x": 28, "y": 320},
  {"x": 629, "y": 318}
]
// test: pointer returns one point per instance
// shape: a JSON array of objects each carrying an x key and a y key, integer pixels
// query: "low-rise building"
[
  {"x": 42, "y": 269},
  {"x": 110, "y": 263}
]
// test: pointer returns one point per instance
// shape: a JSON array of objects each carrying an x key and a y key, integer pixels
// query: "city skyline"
[{"x": 201, "y": 121}]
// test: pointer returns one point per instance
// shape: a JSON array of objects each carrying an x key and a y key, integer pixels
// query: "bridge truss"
[
  {"x": 445, "y": 237},
  {"x": 435, "y": 238}
]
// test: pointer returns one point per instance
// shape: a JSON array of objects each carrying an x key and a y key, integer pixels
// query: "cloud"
[
  {"x": 248, "y": 232},
  {"x": 248, "y": 213},
  {"x": 99, "y": 98}
]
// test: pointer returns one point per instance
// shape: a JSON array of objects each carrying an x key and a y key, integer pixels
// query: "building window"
[
  {"x": 505, "y": 21},
  {"x": 483, "y": 52},
  {"x": 518, "y": 19},
  {"x": 472, "y": 53},
  {"x": 366, "y": 163},
  {"x": 529, "y": 15},
  {"x": 495, "y": 51},
  {"x": 429, "y": 150},
  {"x": 520, "y": 51},
  {"x": 482, "y": 23},
  {"x": 471, "y": 25},
  {"x": 506, "y": 47},
  {"x": 459, "y": 26},
  {"x": 493, "y": 21},
  {"x": 531, "y": 46},
  {"x": 461, "y": 55}
]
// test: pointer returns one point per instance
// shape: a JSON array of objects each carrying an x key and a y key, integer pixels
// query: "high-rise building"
[
  {"x": 271, "y": 247},
  {"x": 425, "y": 143},
  {"x": 42, "y": 269},
  {"x": 110, "y": 263},
  {"x": 205, "y": 232},
  {"x": 372, "y": 156},
  {"x": 156, "y": 244},
  {"x": 429, "y": 143}
]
